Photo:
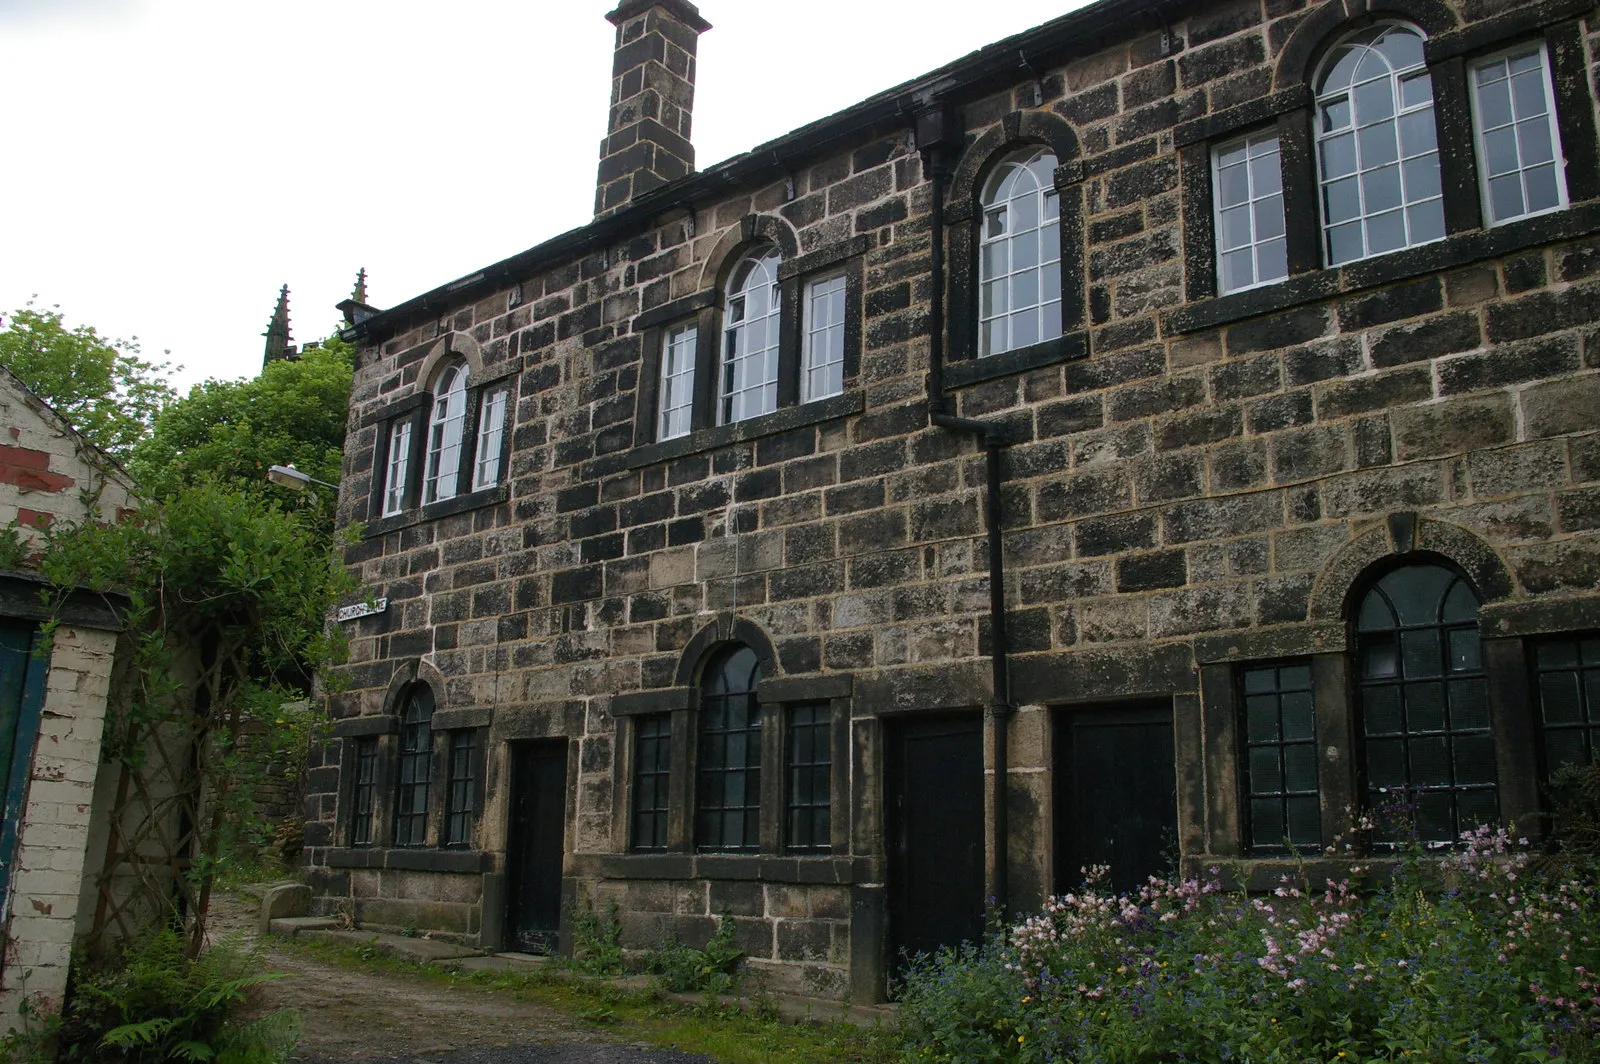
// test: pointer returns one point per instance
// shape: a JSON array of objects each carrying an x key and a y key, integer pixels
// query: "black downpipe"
[{"x": 935, "y": 159}]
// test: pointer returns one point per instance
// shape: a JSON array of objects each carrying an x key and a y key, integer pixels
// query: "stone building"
[
  {"x": 1160, "y": 434},
  {"x": 53, "y": 701}
]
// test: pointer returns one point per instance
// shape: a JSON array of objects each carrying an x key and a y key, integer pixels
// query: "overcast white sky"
[{"x": 167, "y": 164}]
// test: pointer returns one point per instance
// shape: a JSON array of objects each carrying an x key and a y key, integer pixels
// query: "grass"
[{"x": 725, "y": 1034}]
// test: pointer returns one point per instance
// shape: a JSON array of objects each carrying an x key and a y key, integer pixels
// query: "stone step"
[
  {"x": 294, "y": 925},
  {"x": 420, "y": 950}
]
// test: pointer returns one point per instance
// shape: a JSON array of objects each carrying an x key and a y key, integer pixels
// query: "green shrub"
[
  {"x": 156, "y": 1004},
  {"x": 1495, "y": 970},
  {"x": 597, "y": 942},
  {"x": 681, "y": 968}
]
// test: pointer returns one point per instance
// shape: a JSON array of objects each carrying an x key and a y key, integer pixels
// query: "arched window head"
[
  {"x": 728, "y": 789},
  {"x": 1427, "y": 746},
  {"x": 749, "y": 374},
  {"x": 414, "y": 767},
  {"x": 1019, "y": 254},
  {"x": 442, "y": 469},
  {"x": 1377, "y": 145}
]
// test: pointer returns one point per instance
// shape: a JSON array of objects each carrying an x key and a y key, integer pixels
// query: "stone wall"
[
  {"x": 52, "y": 885},
  {"x": 1185, "y": 472}
]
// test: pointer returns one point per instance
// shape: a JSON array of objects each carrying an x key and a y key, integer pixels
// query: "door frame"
[
  {"x": 893, "y": 731},
  {"x": 516, "y": 750}
]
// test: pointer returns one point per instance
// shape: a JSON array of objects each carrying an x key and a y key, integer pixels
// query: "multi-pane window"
[
  {"x": 445, "y": 428},
  {"x": 364, "y": 790},
  {"x": 749, "y": 378},
  {"x": 416, "y": 754},
  {"x": 1377, "y": 146},
  {"x": 491, "y": 438},
  {"x": 677, "y": 382},
  {"x": 1019, "y": 255},
  {"x": 1247, "y": 176},
  {"x": 1567, "y": 675},
  {"x": 1518, "y": 156},
  {"x": 1427, "y": 749},
  {"x": 728, "y": 790},
  {"x": 462, "y": 788},
  {"x": 396, "y": 478},
  {"x": 822, "y": 359},
  {"x": 808, "y": 763},
  {"x": 652, "y": 767},
  {"x": 1280, "y": 738}
]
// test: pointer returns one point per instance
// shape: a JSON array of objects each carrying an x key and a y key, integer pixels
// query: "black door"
[
  {"x": 536, "y": 844},
  {"x": 1116, "y": 786},
  {"x": 934, "y": 793}
]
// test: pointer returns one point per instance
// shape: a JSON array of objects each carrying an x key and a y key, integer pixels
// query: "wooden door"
[
  {"x": 934, "y": 793},
  {"x": 1116, "y": 787},
  {"x": 536, "y": 844}
]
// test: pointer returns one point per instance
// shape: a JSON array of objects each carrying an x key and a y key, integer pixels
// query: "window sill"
[
  {"x": 435, "y": 510},
  {"x": 418, "y": 859},
  {"x": 1462, "y": 249},
  {"x": 767, "y": 868},
  {"x": 790, "y": 417},
  {"x": 1062, "y": 348}
]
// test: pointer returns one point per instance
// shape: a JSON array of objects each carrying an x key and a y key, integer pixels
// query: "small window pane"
[
  {"x": 809, "y": 767},
  {"x": 1438, "y": 753},
  {"x": 1280, "y": 757},
  {"x": 1247, "y": 175},
  {"x": 652, "y": 766},
  {"x": 822, "y": 361},
  {"x": 1517, "y": 140},
  {"x": 1020, "y": 238},
  {"x": 1567, "y": 673}
]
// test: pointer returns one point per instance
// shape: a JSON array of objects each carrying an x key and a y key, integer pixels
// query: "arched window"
[
  {"x": 1427, "y": 747},
  {"x": 445, "y": 428},
  {"x": 749, "y": 384},
  {"x": 728, "y": 790},
  {"x": 1019, "y": 254},
  {"x": 1377, "y": 145},
  {"x": 415, "y": 766}
]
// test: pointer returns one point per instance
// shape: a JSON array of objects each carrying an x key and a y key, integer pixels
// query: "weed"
[{"x": 597, "y": 942}]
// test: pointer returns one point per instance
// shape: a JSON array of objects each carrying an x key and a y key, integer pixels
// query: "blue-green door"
[{"x": 22, "y": 673}]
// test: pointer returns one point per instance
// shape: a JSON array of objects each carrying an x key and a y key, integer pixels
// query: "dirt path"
[{"x": 347, "y": 1014}]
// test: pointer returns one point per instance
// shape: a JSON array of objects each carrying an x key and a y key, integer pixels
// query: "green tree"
[
  {"x": 102, "y": 386},
  {"x": 293, "y": 413}
]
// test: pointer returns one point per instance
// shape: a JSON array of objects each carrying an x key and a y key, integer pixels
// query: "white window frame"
[
  {"x": 399, "y": 468},
  {"x": 491, "y": 438},
  {"x": 996, "y": 232},
  {"x": 1479, "y": 133},
  {"x": 675, "y": 401},
  {"x": 446, "y": 427},
  {"x": 1256, "y": 242},
  {"x": 822, "y": 351},
  {"x": 748, "y": 377},
  {"x": 1322, "y": 99}
]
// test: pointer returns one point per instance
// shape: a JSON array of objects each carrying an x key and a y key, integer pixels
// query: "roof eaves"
[{"x": 1001, "y": 59}]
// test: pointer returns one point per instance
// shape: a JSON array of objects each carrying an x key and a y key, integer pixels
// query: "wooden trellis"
[{"x": 166, "y": 818}]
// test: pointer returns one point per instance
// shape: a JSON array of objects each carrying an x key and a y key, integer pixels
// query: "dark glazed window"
[
  {"x": 809, "y": 763},
  {"x": 652, "y": 765},
  {"x": 416, "y": 753},
  {"x": 1426, "y": 743},
  {"x": 1567, "y": 673},
  {"x": 364, "y": 790},
  {"x": 460, "y": 801},
  {"x": 728, "y": 805},
  {"x": 1280, "y": 735}
]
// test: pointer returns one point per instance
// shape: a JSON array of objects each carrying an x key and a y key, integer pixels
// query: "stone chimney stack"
[{"x": 652, "y": 96}]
